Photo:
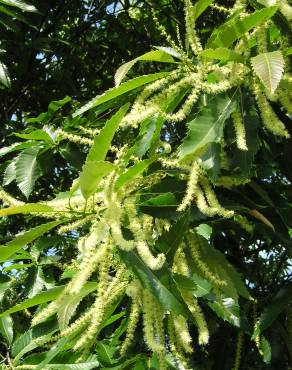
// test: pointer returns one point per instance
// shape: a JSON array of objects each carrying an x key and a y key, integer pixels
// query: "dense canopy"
[{"x": 146, "y": 199}]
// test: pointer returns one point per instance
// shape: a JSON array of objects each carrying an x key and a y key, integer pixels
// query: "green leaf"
[
  {"x": 120, "y": 90},
  {"x": 21, "y": 240},
  {"x": 103, "y": 140},
  {"x": 148, "y": 128},
  {"x": 68, "y": 308},
  {"x": 9, "y": 173},
  {"x": 226, "y": 34},
  {"x": 133, "y": 172},
  {"x": 6, "y": 328},
  {"x": 150, "y": 281},
  {"x": 222, "y": 54},
  {"x": 25, "y": 343},
  {"x": 113, "y": 319},
  {"x": 227, "y": 309},
  {"x": 221, "y": 267},
  {"x": 36, "y": 135},
  {"x": 152, "y": 56},
  {"x": 16, "y": 15},
  {"x": 208, "y": 125},
  {"x": 53, "y": 107},
  {"x": 200, "y": 6},
  {"x": 56, "y": 105},
  {"x": 79, "y": 366},
  {"x": 165, "y": 199},
  {"x": 169, "y": 50},
  {"x": 25, "y": 208},
  {"x": 91, "y": 175},
  {"x": 210, "y": 160},
  {"x": 203, "y": 286},
  {"x": 4, "y": 75},
  {"x": 21, "y": 5},
  {"x": 27, "y": 170},
  {"x": 53, "y": 352},
  {"x": 161, "y": 206},
  {"x": 38, "y": 282},
  {"x": 17, "y": 266},
  {"x": 269, "y": 67},
  {"x": 135, "y": 362},
  {"x": 204, "y": 230},
  {"x": 105, "y": 353},
  {"x": 195, "y": 284},
  {"x": 288, "y": 51},
  {"x": 278, "y": 304},
  {"x": 15, "y": 147},
  {"x": 44, "y": 297},
  {"x": 4, "y": 285},
  {"x": 261, "y": 193}
]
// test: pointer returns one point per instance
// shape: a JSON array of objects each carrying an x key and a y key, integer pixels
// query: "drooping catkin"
[
  {"x": 270, "y": 120},
  {"x": 194, "y": 245},
  {"x": 213, "y": 201},
  {"x": 133, "y": 321},
  {"x": 148, "y": 320},
  {"x": 198, "y": 315},
  {"x": 155, "y": 263},
  {"x": 182, "y": 333},
  {"x": 238, "y": 352},
  {"x": 191, "y": 186},
  {"x": 98, "y": 308},
  {"x": 193, "y": 38},
  {"x": 239, "y": 130}
]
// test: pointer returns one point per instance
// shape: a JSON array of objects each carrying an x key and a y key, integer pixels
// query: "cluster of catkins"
[
  {"x": 98, "y": 251},
  {"x": 110, "y": 211}
]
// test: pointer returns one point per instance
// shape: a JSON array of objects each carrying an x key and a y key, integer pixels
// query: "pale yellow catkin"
[
  {"x": 213, "y": 201},
  {"x": 198, "y": 315},
  {"x": 239, "y": 130},
  {"x": 261, "y": 35},
  {"x": 112, "y": 294},
  {"x": 74, "y": 138},
  {"x": 99, "y": 304},
  {"x": 113, "y": 219},
  {"x": 175, "y": 347},
  {"x": 180, "y": 264},
  {"x": 75, "y": 225},
  {"x": 285, "y": 99},
  {"x": 238, "y": 353},
  {"x": 9, "y": 199},
  {"x": 194, "y": 246},
  {"x": 221, "y": 8},
  {"x": 203, "y": 205},
  {"x": 257, "y": 338},
  {"x": 192, "y": 36},
  {"x": 171, "y": 335},
  {"x": 155, "y": 263},
  {"x": 191, "y": 186},
  {"x": 270, "y": 120},
  {"x": 182, "y": 333},
  {"x": 285, "y": 9},
  {"x": 133, "y": 321},
  {"x": 161, "y": 354},
  {"x": 87, "y": 268},
  {"x": 78, "y": 324},
  {"x": 148, "y": 320}
]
